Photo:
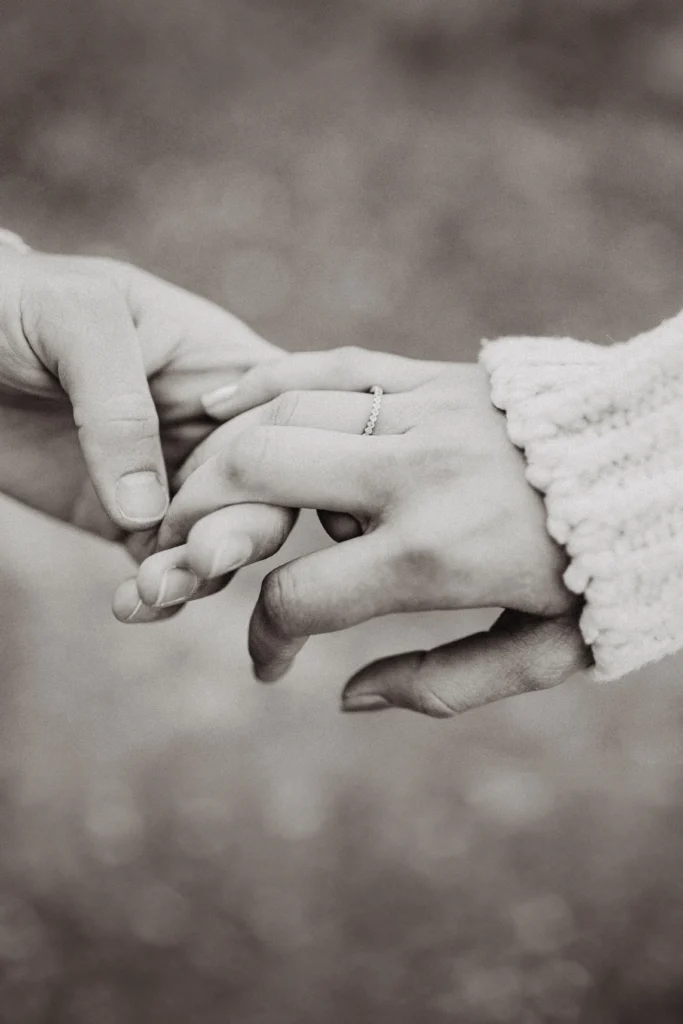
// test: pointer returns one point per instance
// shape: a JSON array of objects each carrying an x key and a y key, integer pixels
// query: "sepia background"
[{"x": 178, "y": 844}]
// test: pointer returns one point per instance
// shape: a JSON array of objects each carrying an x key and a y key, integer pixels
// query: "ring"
[{"x": 376, "y": 392}]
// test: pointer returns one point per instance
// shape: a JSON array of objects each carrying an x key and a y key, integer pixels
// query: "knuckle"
[
  {"x": 234, "y": 468},
  {"x": 239, "y": 459},
  {"x": 424, "y": 467},
  {"x": 130, "y": 408},
  {"x": 437, "y": 459},
  {"x": 283, "y": 408},
  {"x": 420, "y": 564},
  {"x": 127, "y": 414},
  {"x": 535, "y": 676},
  {"x": 379, "y": 474},
  {"x": 550, "y": 655},
  {"x": 278, "y": 596}
]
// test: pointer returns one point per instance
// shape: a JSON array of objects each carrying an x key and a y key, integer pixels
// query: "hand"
[
  {"x": 102, "y": 367},
  {"x": 447, "y": 519}
]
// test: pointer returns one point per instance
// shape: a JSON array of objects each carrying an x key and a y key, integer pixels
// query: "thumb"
[
  {"x": 519, "y": 654},
  {"x": 86, "y": 337}
]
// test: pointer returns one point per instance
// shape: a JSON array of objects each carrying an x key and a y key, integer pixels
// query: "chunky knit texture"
[{"x": 602, "y": 431}]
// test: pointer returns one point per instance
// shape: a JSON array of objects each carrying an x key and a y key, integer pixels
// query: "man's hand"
[{"x": 101, "y": 371}]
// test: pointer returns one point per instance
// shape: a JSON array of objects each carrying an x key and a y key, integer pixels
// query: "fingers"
[
  {"x": 343, "y": 412},
  {"x": 292, "y": 468},
  {"x": 237, "y": 536},
  {"x": 129, "y": 607},
  {"x": 217, "y": 547},
  {"x": 519, "y": 654},
  {"x": 84, "y": 334},
  {"x": 176, "y": 585},
  {"x": 220, "y": 544},
  {"x": 325, "y": 591},
  {"x": 197, "y": 344},
  {"x": 210, "y": 346},
  {"x": 342, "y": 369}
]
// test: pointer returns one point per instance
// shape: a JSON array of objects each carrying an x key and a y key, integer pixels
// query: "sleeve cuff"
[{"x": 602, "y": 432}]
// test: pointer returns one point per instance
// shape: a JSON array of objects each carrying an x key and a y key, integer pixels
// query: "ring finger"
[{"x": 345, "y": 412}]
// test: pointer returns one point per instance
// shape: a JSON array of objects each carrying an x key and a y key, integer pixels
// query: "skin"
[
  {"x": 102, "y": 372},
  {"x": 434, "y": 510},
  {"x": 102, "y": 368}
]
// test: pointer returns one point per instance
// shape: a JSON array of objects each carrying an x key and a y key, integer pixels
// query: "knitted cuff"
[{"x": 602, "y": 431}]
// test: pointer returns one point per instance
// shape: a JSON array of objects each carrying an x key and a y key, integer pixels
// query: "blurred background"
[{"x": 179, "y": 844}]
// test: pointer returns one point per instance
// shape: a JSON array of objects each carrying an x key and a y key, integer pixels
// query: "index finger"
[{"x": 287, "y": 466}]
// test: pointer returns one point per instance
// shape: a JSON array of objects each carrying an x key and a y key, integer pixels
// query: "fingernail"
[
  {"x": 231, "y": 554},
  {"x": 133, "y": 615},
  {"x": 364, "y": 702},
  {"x": 215, "y": 399},
  {"x": 142, "y": 613},
  {"x": 177, "y": 586},
  {"x": 141, "y": 497},
  {"x": 128, "y": 605},
  {"x": 271, "y": 672}
]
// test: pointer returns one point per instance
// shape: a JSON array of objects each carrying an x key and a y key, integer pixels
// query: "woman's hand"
[
  {"x": 445, "y": 515},
  {"x": 102, "y": 368}
]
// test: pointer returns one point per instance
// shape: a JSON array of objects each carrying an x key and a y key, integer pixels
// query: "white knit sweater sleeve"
[{"x": 602, "y": 432}]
